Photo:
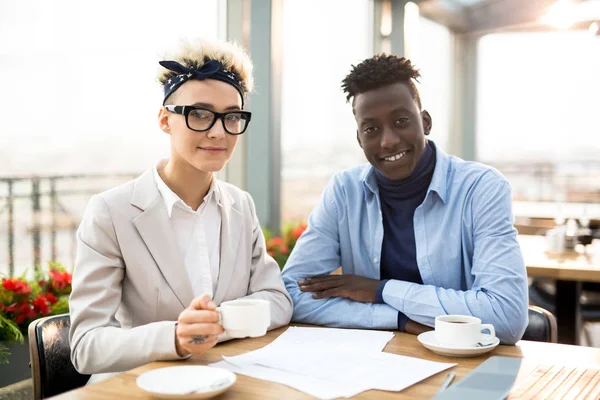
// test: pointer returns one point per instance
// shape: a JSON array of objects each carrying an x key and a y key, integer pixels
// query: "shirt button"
[{"x": 375, "y": 260}]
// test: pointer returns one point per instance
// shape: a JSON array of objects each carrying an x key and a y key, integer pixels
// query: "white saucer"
[
  {"x": 428, "y": 340},
  {"x": 186, "y": 382}
]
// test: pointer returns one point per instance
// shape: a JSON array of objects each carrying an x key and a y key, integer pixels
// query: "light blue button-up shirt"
[{"x": 467, "y": 252}]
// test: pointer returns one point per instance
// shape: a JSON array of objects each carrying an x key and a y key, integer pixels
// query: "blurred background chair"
[
  {"x": 51, "y": 367},
  {"x": 542, "y": 291},
  {"x": 542, "y": 326}
]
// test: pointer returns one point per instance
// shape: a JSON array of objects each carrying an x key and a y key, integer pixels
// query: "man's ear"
[{"x": 427, "y": 122}]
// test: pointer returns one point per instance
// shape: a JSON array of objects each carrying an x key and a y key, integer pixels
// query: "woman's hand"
[{"x": 197, "y": 329}]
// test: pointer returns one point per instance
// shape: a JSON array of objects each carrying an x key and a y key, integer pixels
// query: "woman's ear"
[{"x": 163, "y": 120}]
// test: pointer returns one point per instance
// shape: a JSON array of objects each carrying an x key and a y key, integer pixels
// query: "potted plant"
[{"x": 22, "y": 301}]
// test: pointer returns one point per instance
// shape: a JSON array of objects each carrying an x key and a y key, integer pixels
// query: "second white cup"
[{"x": 462, "y": 331}]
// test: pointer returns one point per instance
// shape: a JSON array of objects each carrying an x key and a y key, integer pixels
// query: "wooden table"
[
  {"x": 124, "y": 386},
  {"x": 569, "y": 271}
]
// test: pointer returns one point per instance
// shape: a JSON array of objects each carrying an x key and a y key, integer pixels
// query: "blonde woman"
[{"x": 156, "y": 255}]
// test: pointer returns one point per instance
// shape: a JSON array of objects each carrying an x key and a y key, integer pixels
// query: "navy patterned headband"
[{"x": 212, "y": 69}]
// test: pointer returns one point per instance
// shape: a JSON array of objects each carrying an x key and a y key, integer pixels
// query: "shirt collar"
[
  {"x": 439, "y": 181},
  {"x": 171, "y": 199}
]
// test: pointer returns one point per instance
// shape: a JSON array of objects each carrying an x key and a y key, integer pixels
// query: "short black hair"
[{"x": 379, "y": 71}]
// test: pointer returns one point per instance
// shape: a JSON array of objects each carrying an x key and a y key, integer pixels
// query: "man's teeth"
[{"x": 395, "y": 157}]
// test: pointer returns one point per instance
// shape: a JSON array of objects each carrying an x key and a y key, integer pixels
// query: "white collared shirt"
[{"x": 198, "y": 235}]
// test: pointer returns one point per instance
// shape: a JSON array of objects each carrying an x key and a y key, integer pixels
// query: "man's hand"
[
  {"x": 353, "y": 287},
  {"x": 197, "y": 329}
]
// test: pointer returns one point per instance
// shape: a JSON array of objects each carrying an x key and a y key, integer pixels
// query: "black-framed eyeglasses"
[{"x": 200, "y": 119}]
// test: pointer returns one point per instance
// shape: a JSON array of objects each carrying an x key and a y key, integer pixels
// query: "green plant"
[
  {"x": 4, "y": 354},
  {"x": 23, "y": 300}
]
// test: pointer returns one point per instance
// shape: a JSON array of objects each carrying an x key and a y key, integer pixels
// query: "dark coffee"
[{"x": 458, "y": 322}]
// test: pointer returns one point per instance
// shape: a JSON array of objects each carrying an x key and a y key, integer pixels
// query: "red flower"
[
  {"x": 284, "y": 249},
  {"x": 11, "y": 308},
  {"x": 51, "y": 298},
  {"x": 276, "y": 241},
  {"x": 60, "y": 280},
  {"x": 297, "y": 232},
  {"x": 41, "y": 305},
  {"x": 28, "y": 311},
  {"x": 21, "y": 311},
  {"x": 16, "y": 286}
]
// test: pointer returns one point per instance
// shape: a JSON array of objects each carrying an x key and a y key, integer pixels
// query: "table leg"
[{"x": 568, "y": 311}]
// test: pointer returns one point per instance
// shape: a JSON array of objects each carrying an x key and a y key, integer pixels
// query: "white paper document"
[
  {"x": 325, "y": 339},
  {"x": 318, "y": 388},
  {"x": 331, "y": 363},
  {"x": 334, "y": 338}
]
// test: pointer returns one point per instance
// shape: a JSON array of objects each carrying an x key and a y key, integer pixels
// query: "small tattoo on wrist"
[{"x": 198, "y": 339}]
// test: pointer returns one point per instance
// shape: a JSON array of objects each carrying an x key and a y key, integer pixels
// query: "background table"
[{"x": 569, "y": 271}]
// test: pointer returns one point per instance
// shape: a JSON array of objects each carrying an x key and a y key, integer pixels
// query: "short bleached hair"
[{"x": 193, "y": 54}]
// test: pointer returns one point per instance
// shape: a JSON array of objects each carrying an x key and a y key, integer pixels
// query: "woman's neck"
[{"x": 187, "y": 182}]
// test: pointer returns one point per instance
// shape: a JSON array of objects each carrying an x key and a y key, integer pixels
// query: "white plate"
[
  {"x": 186, "y": 382},
  {"x": 428, "y": 340}
]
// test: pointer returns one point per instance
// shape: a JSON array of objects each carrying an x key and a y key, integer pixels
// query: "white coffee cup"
[
  {"x": 245, "y": 317},
  {"x": 462, "y": 331}
]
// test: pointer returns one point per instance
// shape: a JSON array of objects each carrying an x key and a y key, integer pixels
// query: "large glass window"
[
  {"x": 430, "y": 48},
  {"x": 318, "y": 133},
  {"x": 79, "y": 98},
  {"x": 537, "y": 113}
]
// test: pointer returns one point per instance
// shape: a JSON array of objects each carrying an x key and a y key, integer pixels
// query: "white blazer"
[{"x": 130, "y": 283}]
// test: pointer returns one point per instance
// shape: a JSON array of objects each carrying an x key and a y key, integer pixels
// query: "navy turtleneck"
[{"x": 399, "y": 200}]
